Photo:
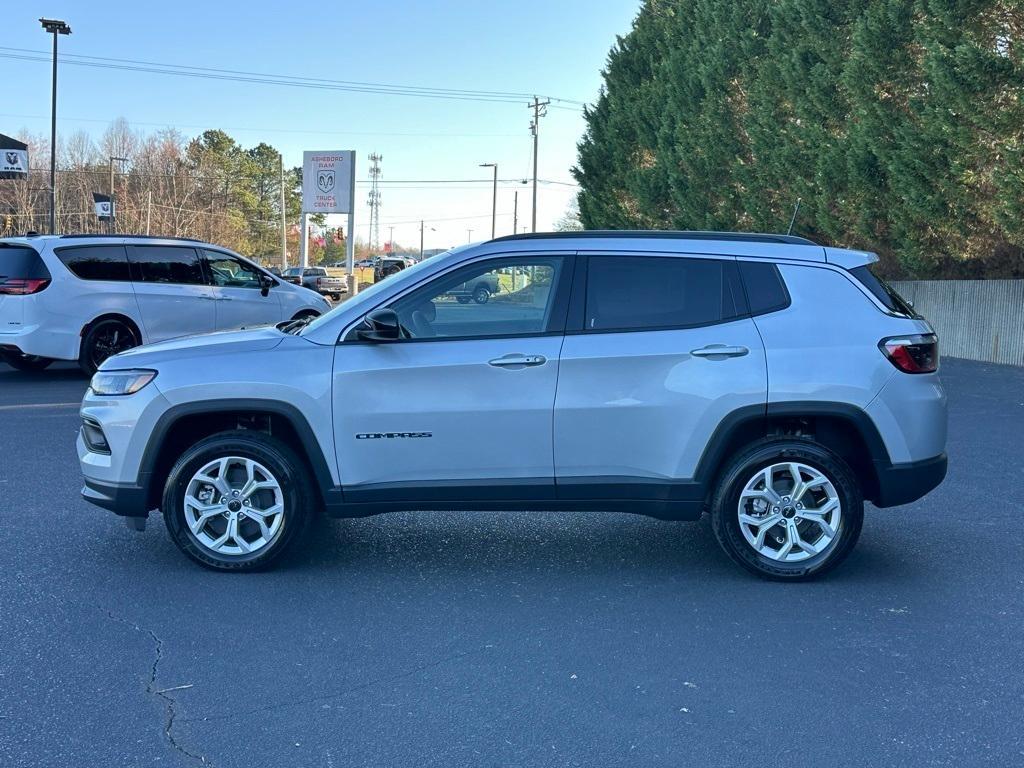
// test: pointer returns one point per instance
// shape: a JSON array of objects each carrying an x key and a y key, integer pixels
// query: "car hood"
[{"x": 220, "y": 343}]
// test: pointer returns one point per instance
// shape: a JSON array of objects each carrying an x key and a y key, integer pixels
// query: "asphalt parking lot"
[{"x": 440, "y": 639}]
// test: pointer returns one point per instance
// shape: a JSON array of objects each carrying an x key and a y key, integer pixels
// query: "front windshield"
[
  {"x": 293, "y": 271},
  {"x": 404, "y": 276}
]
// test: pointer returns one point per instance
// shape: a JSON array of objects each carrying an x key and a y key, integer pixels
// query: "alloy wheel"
[
  {"x": 234, "y": 506},
  {"x": 789, "y": 512}
]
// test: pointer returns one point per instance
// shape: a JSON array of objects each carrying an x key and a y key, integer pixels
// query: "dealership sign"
[
  {"x": 13, "y": 158},
  {"x": 327, "y": 181},
  {"x": 104, "y": 206}
]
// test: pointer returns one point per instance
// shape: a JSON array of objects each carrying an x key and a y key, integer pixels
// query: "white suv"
[
  {"x": 86, "y": 297},
  {"x": 769, "y": 381}
]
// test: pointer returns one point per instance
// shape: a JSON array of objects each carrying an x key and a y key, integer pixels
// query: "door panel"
[
  {"x": 240, "y": 300},
  {"x": 171, "y": 291},
  {"x": 439, "y": 412},
  {"x": 642, "y": 405}
]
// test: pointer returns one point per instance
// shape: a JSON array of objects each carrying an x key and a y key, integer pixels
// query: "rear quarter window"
[
  {"x": 21, "y": 262},
  {"x": 766, "y": 290},
  {"x": 96, "y": 262},
  {"x": 882, "y": 291}
]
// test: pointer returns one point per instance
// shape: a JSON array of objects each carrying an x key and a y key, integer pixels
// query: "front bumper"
[
  {"x": 904, "y": 483},
  {"x": 123, "y": 500}
]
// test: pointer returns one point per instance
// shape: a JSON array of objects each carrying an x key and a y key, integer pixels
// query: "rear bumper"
[
  {"x": 904, "y": 483},
  {"x": 123, "y": 500}
]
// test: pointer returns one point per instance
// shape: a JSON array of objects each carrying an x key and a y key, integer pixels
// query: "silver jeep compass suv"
[{"x": 771, "y": 382}]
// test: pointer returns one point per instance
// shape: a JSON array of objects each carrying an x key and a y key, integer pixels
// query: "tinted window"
[
  {"x": 481, "y": 301},
  {"x": 21, "y": 262},
  {"x": 632, "y": 292},
  {"x": 166, "y": 264},
  {"x": 96, "y": 262},
  {"x": 882, "y": 291},
  {"x": 766, "y": 292},
  {"x": 229, "y": 272}
]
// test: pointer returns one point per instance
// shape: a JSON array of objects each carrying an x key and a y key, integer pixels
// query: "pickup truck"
[
  {"x": 479, "y": 289},
  {"x": 317, "y": 279}
]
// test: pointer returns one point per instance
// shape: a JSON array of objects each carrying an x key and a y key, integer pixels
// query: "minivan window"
[
  {"x": 22, "y": 263},
  {"x": 166, "y": 264},
  {"x": 647, "y": 293},
  {"x": 96, "y": 262},
  {"x": 766, "y": 291},
  {"x": 228, "y": 272}
]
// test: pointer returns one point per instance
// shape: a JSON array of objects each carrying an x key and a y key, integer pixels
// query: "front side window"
[
  {"x": 497, "y": 298},
  {"x": 166, "y": 264},
  {"x": 96, "y": 262},
  {"x": 228, "y": 272},
  {"x": 647, "y": 293}
]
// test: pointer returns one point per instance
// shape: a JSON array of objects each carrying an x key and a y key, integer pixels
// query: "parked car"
[
  {"x": 317, "y": 279},
  {"x": 86, "y": 297},
  {"x": 385, "y": 267},
  {"x": 480, "y": 289},
  {"x": 773, "y": 383}
]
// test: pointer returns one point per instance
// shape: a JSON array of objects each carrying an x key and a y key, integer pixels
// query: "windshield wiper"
[{"x": 294, "y": 326}]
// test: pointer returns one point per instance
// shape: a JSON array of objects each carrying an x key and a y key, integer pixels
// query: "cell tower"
[{"x": 374, "y": 203}]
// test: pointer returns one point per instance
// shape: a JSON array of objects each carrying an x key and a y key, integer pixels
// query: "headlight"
[{"x": 120, "y": 382}]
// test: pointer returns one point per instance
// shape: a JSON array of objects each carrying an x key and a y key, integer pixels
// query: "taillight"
[
  {"x": 18, "y": 286},
  {"x": 918, "y": 353}
]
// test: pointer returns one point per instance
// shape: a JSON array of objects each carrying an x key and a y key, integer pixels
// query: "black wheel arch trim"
[{"x": 323, "y": 478}]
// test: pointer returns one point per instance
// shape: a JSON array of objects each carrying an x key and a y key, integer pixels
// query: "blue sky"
[{"x": 556, "y": 48}]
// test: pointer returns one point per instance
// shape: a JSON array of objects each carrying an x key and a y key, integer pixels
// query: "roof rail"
[
  {"x": 130, "y": 237},
  {"x": 747, "y": 237}
]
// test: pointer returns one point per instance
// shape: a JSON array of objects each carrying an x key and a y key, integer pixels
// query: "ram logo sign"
[{"x": 327, "y": 181}]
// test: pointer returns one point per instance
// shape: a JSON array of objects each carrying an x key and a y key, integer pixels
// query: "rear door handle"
[
  {"x": 517, "y": 361},
  {"x": 719, "y": 350}
]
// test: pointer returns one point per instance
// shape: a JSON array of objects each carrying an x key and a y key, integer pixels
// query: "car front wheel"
[
  {"x": 787, "y": 510},
  {"x": 236, "y": 501},
  {"x": 481, "y": 295}
]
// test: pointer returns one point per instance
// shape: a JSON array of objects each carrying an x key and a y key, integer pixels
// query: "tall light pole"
[
  {"x": 539, "y": 110},
  {"x": 421, "y": 238},
  {"x": 469, "y": 235},
  {"x": 111, "y": 226},
  {"x": 54, "y": 27},
  {"x": 494, "y": 197}
]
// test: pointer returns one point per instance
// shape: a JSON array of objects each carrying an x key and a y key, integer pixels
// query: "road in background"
[{"x": 526, "y": 639}]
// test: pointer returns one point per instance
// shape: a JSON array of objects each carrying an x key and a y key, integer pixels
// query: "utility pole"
[
  {"x": 111, "y": 226},
  {"x": 391, "y": 238},
  {"x": 539, "y": 110},
  {"x": 284, "y": 226},
  {"x": 421, "y": 239},
  {"x": 55, "y": 27},
  {"x": 469, "y": 235},
  {"x": 494, "y": 198},
  {"x": 515, "y": 212},
  {"x": 149, "y": 209},
  {"x": 374, "y": 202}
]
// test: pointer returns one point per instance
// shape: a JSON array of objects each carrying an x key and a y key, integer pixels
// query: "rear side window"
[
  {"x": 21, "y": 263},
  {"x": 766, "y": 291},
  {"x": 882, "y": 291},
  {"x": 96, "y": 262},
  {"x": 166, "y": 264},
  {"x": 647, "y": 293}
]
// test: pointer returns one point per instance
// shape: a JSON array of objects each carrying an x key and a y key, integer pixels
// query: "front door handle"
[
  {"x": 719, "y": 350},
  {"x": 517, "y": 361}
]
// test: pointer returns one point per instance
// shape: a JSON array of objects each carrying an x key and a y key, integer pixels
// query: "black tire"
[
  {"x": 279, "y": 459},
  {"x": 463, "y": 299},
  {"x": 104, "y": 339},
  {"x": 756, "y": 457},
  {"x": 22, "y": 362},
  {"x": 482, "y": 294}
]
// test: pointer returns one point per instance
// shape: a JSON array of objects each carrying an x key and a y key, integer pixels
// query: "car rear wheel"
[
  {"x": 787, "y": 510},
  {"x": 481, "y": 295},
  {"x": 105, "y": 339},
  {"x": 22, "y": 362},
  {"x": 236, "y": 501}
]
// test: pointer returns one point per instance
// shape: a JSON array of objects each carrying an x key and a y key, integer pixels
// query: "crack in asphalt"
[
  {"x": 340, "y": 693},
  {"x": 170, "y": 705}
]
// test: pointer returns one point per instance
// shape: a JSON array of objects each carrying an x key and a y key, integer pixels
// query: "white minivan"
[{"x": 87, "y": 297}]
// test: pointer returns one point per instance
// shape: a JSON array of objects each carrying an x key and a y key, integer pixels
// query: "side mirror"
[
  {"x": 380, "y": 325},
  {"x": 266, "y": 283}
]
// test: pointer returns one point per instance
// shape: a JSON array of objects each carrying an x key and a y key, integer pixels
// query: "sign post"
[
  {"x": 328, "y": 186},
  {"x": 104, "y": 207}
]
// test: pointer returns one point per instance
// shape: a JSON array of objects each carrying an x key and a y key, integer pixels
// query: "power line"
[{"x": 210, "y": 73}]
